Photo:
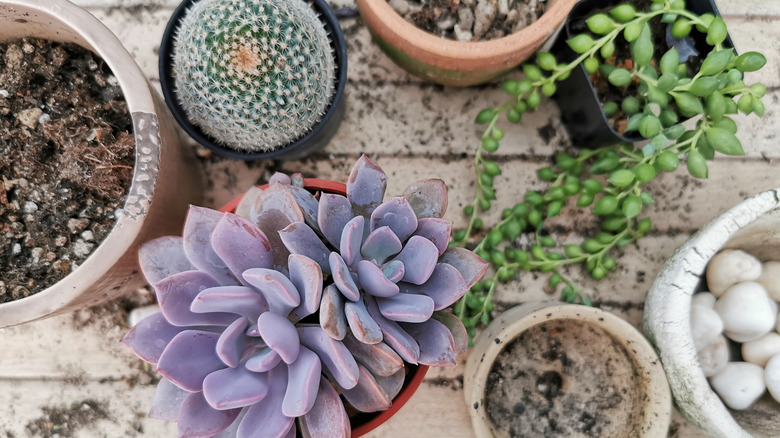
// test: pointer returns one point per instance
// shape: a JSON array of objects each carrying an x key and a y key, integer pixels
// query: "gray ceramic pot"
[
  {"x": 164, "y": 179},
  {"x": 753, "y": 226}
]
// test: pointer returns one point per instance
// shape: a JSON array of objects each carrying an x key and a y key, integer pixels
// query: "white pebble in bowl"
[
  {"x": 759, "y": 351},
  {"x": 730, "y": 267},
  {"x": 740, "y": 384},
  {"x": 747, "y": 311},
  {"x": 770, "y": 279},
  {"x": 705, "y": 299},
  {"x": 706, "y": 325},
  {"x": 772, "y": 377},
  {"x": 714, "y": 356}
]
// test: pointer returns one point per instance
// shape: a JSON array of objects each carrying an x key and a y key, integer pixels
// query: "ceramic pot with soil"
[
  {"x": 552, "y": 369},
  {"x": 752, "y": 226},
  {"x": 91, "y": 163},
  {"x": 452, "y": 62},
  {"x": 266, "y": 102},
  {"x": 580, "y": 100}
]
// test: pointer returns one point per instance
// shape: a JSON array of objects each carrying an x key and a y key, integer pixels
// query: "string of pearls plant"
[
  {"x": 610, "y": 181},
  {"x": 254, "y": 75}
]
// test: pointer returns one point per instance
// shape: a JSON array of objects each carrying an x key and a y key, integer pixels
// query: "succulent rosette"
[
  {"x": 391, "y": 270},
  {"x": 235, "y": 359}
]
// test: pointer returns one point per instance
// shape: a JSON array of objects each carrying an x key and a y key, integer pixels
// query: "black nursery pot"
[
  {"x": 312, "y": 141},
  {"x": 579, "y": 103}
]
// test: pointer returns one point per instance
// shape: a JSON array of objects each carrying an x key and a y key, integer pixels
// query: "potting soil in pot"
[
  {"x": 470, "y": 20},
  {"x": 66, "y": 161},
  {"x": 563, "y": 378}
]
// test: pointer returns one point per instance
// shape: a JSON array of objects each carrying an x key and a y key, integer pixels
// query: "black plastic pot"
[
  {"x": 579, "y": 103},
  {"x": 314, "y": 140}
]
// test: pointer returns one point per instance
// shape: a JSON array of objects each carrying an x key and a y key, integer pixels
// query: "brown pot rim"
[
  {"x": 457, "y": 55},
  {"x": 63, "y": 21}
]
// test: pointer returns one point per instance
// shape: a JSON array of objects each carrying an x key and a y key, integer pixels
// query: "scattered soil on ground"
[
  {"x": 65, "y": 421},
  {"x": 563, "y": 379},
  {"x": 66, "y": 159},
  {"x": 470, "y": 20}
]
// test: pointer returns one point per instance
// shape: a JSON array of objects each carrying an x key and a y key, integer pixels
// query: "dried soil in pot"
[
  {"x": 66, "y": 161},
  {"x": 470, "y": 20},
  {"x": 562, "y": 378}
]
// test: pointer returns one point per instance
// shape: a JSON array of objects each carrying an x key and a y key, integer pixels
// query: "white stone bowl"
[{"x": 754, "y": 226}]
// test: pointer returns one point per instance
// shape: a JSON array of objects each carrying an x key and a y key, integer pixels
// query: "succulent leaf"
[
  {"x": 239, "y": 300},
  {"x": 277, "y": 289},
  {"x": 241, "y": 245},
  {"x": 419, "y": 257},
  {"x": 308, "y": 204},
  {"x": 437, "y": 347},
  {"x": 167, "y": 401},
  {"x": 198, "y": 229},
  {"x": 366, "y": 186},
  {"x": 244, "y": 206},
  {"x": 406, "y": 307},
  {"x": 470, "y": 265},
  {"x": 281, "y": 178},
  {"x": 303, "y": 383},
  {"x": 428, "y": 198},
  {"x": 332, "y": 317},
  {"x": 378, "y": 358},
  {"x": 275, "y": 209},
  {"x": 397, "y": 214},
  {"x": 436, "y": 230},
  {"x": 232, "y": 342},
  {"x": 445, "y": 286},
  {"x": 333, "y": 354},
  {"x": 280, "y": 335},
  {"x": 149, "y": 337},
  {"x": 299, "y": 238},
  {"x": 343, "y": 278},
  {"x": 381, "y": 244},
  {"x": 367, "y": 395},
  {"x": 264, "y": 360},
  {"x": 374, "y": 281},
  {"x": 189, "y": 358},
  {"x": 351, "y": 239},
  {"x": 393, "y": 383},
  {"x": 361, "y": 324},
  {"x": 333, "y": 214},
  {"x": 393, "y": 334},
  {"x": 231, "y": 388},
  {"x": 393, "y": 271},
  {"x": 176, "y": 294},
  {"x": 197, "y": 419},
  {"x": 267, "y": 415},
  {"x": 306, "y": 276},
  {"x": 163, "y": 257},
  {"x": 327, "y": 418},
  {"x": 459, "y": 335}
]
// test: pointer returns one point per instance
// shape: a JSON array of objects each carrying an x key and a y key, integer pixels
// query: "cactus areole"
[
  {"x": 302, "y": 303},
  {"x": 255, "y": 79}
]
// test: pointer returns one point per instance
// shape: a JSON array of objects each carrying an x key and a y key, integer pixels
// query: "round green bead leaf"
[
  {"x": 697, "y": 166},
  {"x": 620, "y": 77},
  {"x": 621, "y": 178},
  {"x": 485, "y": 116},
  {"x": 608, "y": 49},
  {"x": 591, "y": 65},
  {"x": 750, "y": 61},
  {"x": 716, "y": 31},
  {"x": 644, "y": 172},
  {"x": 668, "y": 161},
  {"x": 669, "y": 61},
  {"x": 688, "y": 104},
  {"x": 630, "y": 105},
  {"x": 532, "y": 72},
  {"x": 600, "y": 24},
  {"x": 715, "y": 62},
  {"x": 650, "y": 126},
  {"x": 642, "y": 47},
  {"x": 632, "y": 31},
  {"x": 681, "y": 28},
  {"x": 605, "y": 205},
  {"x": 632, "y": 206},
  {"x": 546, "y": 60},
  {"x": 581, "y": 43},
  {"x": 723, "y": 141}
]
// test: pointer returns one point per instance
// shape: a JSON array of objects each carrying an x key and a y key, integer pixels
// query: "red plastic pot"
[{"x": 362, "y": 423}]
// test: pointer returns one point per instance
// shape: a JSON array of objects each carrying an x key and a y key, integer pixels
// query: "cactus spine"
[{"x": 254, "y": 75}]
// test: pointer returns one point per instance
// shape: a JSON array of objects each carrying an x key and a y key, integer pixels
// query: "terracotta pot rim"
[
  {"x": 467, "y": 51},
  {"x": 96, "y": 37},
  {"x": 668, "y": 305},
  {"x": 418, "y": 374},
  {"x": 510, "y": 324}
]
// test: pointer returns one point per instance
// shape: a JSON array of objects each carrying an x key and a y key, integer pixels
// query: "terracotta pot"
[
  {"x": 650, "y": 414},
  {"x": 754, "y": 226},
  {"x": 363, "y": 423},
  {"x": 163, "y": 184},
  {"x": 450, "y": 62}
]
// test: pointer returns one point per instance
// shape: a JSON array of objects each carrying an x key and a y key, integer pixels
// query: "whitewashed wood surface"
[{"x": 415, "y": 130}]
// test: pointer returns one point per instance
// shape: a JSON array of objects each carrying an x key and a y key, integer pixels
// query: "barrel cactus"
[
  {"x": 254, "y": 75},
  {"x": 392, "y": 273}
]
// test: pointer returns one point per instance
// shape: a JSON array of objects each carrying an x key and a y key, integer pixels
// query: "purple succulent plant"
[
  {"x": 391, "y": 269},
  {"x": 298, "y": 302}
]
